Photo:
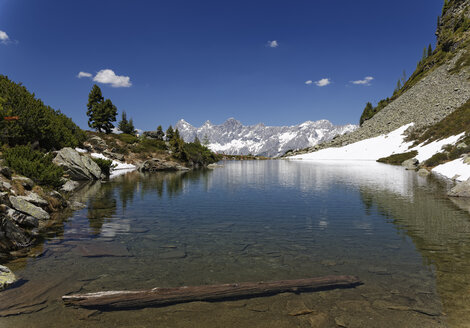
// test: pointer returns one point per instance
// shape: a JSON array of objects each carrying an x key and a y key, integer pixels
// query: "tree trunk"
[{"x": 164, "y": 296}]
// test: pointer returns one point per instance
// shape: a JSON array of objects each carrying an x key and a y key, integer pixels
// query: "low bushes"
[
  {"x": 397, "y": 159},
  {"x": 104, "y": 164},
  {"x": 34, "y": 165}
]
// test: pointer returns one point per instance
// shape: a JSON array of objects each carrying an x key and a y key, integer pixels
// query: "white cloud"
[
  {"x": 323, "y": 82},
  {"x": 308, "y": 82},
  {"x": 367, "y": 80},
  {"x": 4, "y": 38},
  {"x": 107, "y": 76},
  {"x": 273, "y": 44},
  {"x": 84, "y": 74}
]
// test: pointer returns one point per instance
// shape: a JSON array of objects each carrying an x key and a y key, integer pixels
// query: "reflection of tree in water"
[
  {"x": 169, "y": 183},
  {"x": 100, "y": 207},
  {"x": 101, "y": 198},
  {"x": 440, "y": 231}
]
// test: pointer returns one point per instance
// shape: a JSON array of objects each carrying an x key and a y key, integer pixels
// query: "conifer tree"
[
  {"x": 101, "y": 113},
  {"x": 126, "y": 126},
  {"x": 169, "y": 133},
  {"x": 160, "y": 133},
  {"x": 429, "y": 50},
  {"x": 197, "y": 141}
]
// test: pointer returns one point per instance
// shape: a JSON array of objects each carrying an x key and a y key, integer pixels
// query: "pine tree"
[
  {"x": 429, "y": 50},
  {"x": 197, "y": 141},
  {"x": 205, "y": 140},
  {"x": 160, "y": 133},
  {"x": 425, "y": 54},
  {"x": 126, "y": 126},
  {"x": 403, "y": 78},
  {"x": 123, "y": 123},
  {"x": 101, "y": 113},
  {"x": 169, "y": 133}
]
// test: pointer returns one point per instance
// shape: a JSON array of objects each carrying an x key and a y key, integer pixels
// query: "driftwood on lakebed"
[{"x": 115, "y": 300}]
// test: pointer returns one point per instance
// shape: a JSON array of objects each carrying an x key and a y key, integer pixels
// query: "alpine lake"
[{"x": 251, "y": 221}]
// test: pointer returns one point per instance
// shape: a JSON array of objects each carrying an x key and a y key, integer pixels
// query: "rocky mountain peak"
[{"x": 234, "y": 138}]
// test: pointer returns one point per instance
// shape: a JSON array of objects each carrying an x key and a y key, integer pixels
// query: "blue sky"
[{"x": 211, "y": 60}]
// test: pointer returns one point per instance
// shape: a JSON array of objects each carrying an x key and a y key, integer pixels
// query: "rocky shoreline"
[{"x": 27, "y": 209}]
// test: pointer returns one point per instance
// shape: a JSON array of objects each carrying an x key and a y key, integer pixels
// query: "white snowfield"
[
  {"x": 392, "y": 143},
  {"x": 118, "y": 168}
]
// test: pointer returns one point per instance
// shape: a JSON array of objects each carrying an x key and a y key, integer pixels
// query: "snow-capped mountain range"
[{"x": 234, "y": 138}]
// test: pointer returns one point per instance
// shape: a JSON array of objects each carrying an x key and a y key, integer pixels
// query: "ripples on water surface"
[{"x": 253, "y": 221}]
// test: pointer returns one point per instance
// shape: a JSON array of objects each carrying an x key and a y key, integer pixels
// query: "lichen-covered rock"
[
  {"x": 462, "y": 189},
  {"x": 410, "y": 164},
  {"x": 77, "y": 167},
  {"x": 35, "y": 199},
  {"x": 28, "y": 208},
  {"x": 7, "y": 277},
  {"x": 157, "y": 164}
]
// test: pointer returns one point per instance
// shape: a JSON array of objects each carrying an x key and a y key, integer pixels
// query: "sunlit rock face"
[{"x": 234, "y": 138}]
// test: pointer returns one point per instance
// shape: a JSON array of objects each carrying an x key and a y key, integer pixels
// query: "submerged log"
[{"x": 165, "y": 296}]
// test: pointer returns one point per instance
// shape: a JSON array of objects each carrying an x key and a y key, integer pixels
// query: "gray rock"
[
  {"x": 23, "y": 220},
  {"x": 77, "y": 167},
  {"x": 462, "y": 189},
  {"x": 35, "y": 199},
  {"x": 27, "y": 183},
  {"x": 466, "y": 159},
  {"x": 156, "y": 164},
  {"x": 69, "y": 185},
  {"x": 410, "y": 164},
  {"x": 461, "y": 145},
  {"x": 5, "y": 185},
  {"x": 28, "y": 208},
  {"x": 423, "y": 172},
  {"x": 11, "y": 236},
  {"x": 4, "y": 198},
  {"x": 97, "y": 143},
  {"x": 6, "y": 172},
  {"x": 7, "y": 277},
  {"x": 116, "y": 156}
]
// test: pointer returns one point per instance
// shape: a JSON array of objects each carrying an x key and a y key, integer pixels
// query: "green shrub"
[
  {"x": 127, "y": 138},
  {"x": 436, "y": 159},
  {"x": 37, "y": 122},
  {"x": 197, "y": 154},
  {"x": 150, "y": 145},
  {"x": 397, "y": 159},
  {"x": 104, "y": 164},
  {"x": 34, "y": 165}
]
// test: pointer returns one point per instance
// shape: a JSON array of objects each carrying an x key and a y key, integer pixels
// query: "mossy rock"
[{"x": 7, "y": 277}]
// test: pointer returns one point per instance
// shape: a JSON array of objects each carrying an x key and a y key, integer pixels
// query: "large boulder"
[
  {"x": 76, "y": 166},
  {"x": 23, "y": 220},
  {"x": 410, "y": 164},
  {"x": 7, "y": 277},
  {"x": 26, "y": 207},
  {"x": 12, "y": 237},
  {"x": 462, "y": 189},
  {"x": 157, "y": 164}
]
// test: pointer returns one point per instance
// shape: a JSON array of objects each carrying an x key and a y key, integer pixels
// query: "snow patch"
[
  {"x": 118, "y": 168},
  {"x": 456, "y": 168}
]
